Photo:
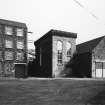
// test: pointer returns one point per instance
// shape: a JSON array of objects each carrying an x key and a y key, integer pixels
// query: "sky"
[{"x": 87, "y": 19}]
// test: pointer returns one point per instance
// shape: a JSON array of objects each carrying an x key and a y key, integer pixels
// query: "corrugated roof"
[
  {"x": 88, "y": 46},
  {"x": 12, "y": 23}
]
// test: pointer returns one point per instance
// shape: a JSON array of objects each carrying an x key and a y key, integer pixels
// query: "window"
[
  {"x": 59, "y": 52},
  {"x": 59, "y": 57},
  {"x": 8, "y": 55},
  {"x": 20, "y": 45},
  {"x": 20, "y": 56},
  {"x": 98, "y": 65},
  {"x": 19, "y": 32},
  {"x": 8, "y": 44},
  {"x": 8, "y": 30}
]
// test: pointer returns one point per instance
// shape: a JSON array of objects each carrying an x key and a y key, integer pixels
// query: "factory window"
[
  {"x": 59, "y": 52},
  {"x": 8, "y": 44},
  {"x": 8, "y": 30},
  {"x": 8, "y": 55},
  {"x": 19, "y": 32},
  {"x": 20, "y": 56},
  {"x": 20, "y": 45}
]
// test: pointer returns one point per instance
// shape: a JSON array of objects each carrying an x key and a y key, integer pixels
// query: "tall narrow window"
[
  {"x": 8, "y": 30},
  {"x": 19, "y": 32},
  {"x": 59, "y": 52},
  {"x": 68, "y": 47}
]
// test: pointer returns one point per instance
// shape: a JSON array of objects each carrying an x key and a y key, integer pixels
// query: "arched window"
[
  {"x": 68, "y": 47},
  {"x": 59, "y": 45},
  {"x": 59, "y": 52}
]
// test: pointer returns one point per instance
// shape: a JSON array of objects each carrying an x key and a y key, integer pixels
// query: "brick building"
[
  {"x": 91, "y": 58},
  {"x": 53, "y": 51},
  {"x": 13, "y": 46}
]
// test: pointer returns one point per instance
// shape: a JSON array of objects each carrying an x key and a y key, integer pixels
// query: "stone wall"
[{"x": 57, "y": 69}]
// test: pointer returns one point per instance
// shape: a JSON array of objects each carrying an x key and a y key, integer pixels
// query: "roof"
[
  {"x": 64, "y": 33},
  {"x": 88, "y": 46},
  {"x": 12, "y": 23},
  {"x": 53, "y": 32}
]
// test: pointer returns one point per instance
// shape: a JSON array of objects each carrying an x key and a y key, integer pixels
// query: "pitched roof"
[
  {"x": 53, "y": 32},
  {"x": 12, "y": 23},
  {"x": 88, "y": 46}
]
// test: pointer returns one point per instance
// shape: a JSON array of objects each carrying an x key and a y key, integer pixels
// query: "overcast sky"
[{"x": 67, "y": 15}]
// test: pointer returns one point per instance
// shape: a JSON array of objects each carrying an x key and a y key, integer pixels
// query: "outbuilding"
[
  {"x": 91, "y": 56},
  {"x": 53, "y": 51}
]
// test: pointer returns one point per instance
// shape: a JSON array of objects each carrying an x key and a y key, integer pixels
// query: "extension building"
[
  {"x": 91, "y": 58},
  {"x": 13, "y": 46},
  {"x": 53, "y": 51}
]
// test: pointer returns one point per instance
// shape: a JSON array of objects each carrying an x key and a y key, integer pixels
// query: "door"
[
  {"x": 99, "y": 69},
  {"x": 20, "y": 70}
]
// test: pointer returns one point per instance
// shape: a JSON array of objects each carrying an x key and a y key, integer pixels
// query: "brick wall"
[{"x": 9, "y": 70}]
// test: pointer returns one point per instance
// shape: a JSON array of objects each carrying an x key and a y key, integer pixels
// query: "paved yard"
[{"x": 52, "y": 92}]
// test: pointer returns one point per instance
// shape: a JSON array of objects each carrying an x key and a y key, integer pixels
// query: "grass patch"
[{"x": 52, "y": 92}]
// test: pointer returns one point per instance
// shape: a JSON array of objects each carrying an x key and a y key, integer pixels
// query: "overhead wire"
[{"x": 90, "y": 12}]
